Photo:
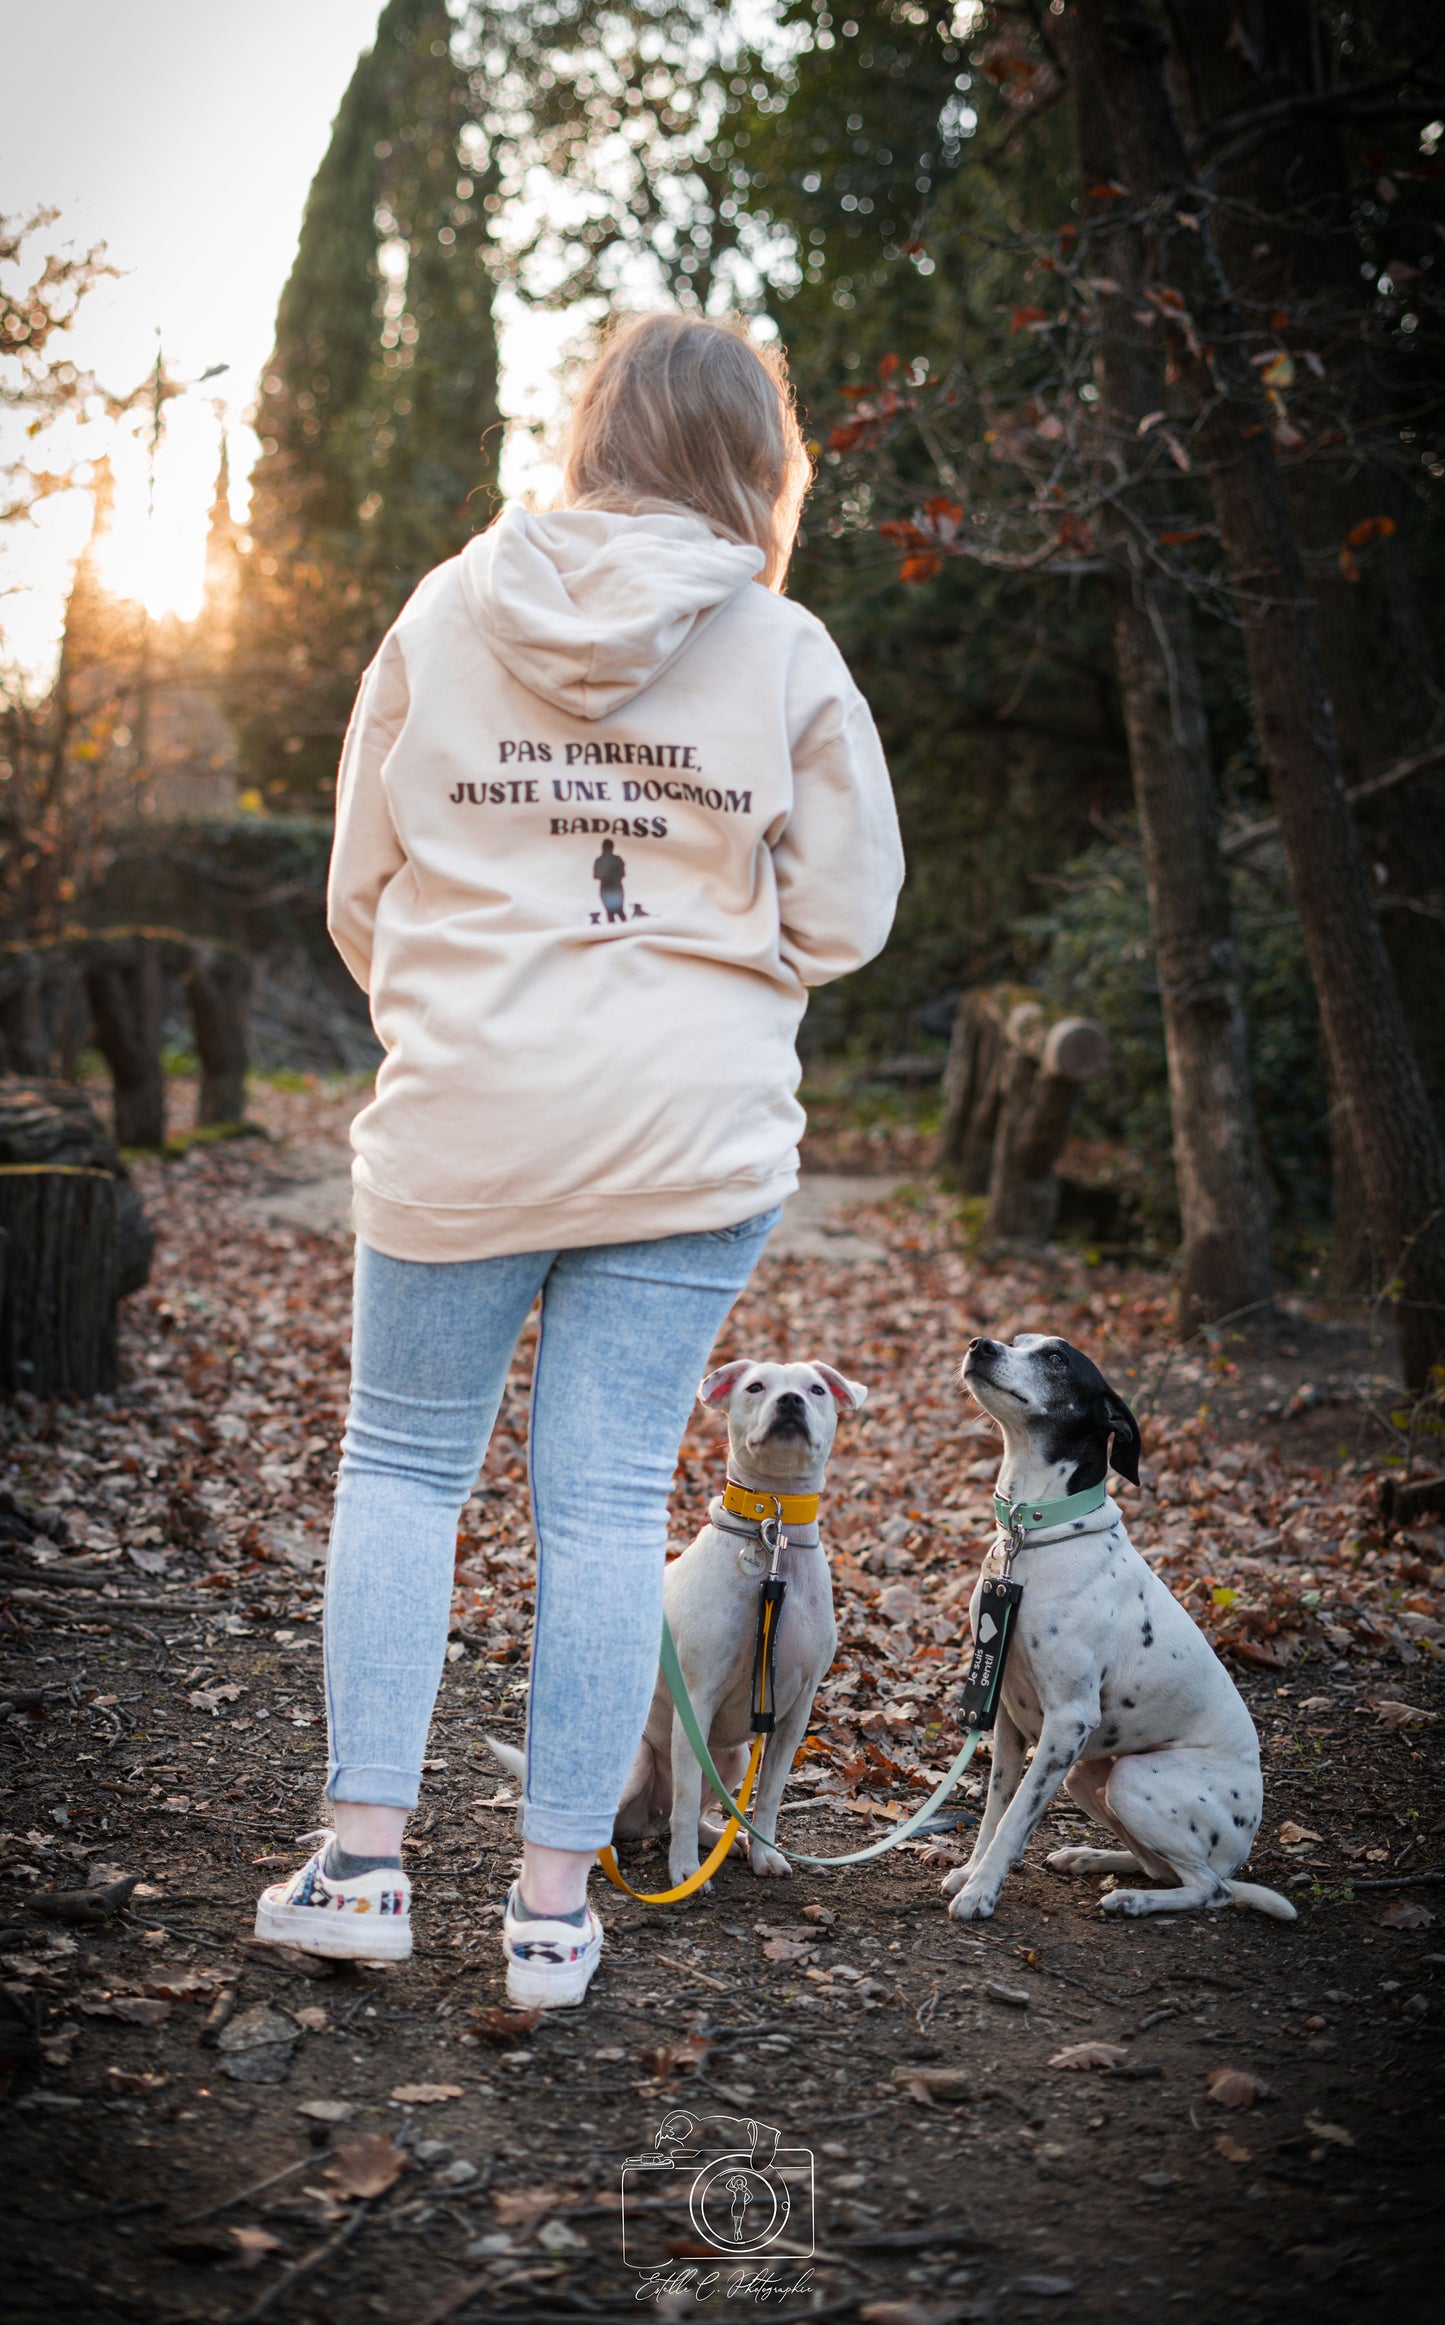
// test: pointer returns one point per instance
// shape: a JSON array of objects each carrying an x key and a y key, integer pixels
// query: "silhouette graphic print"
[{"x": 609, "y": 872}]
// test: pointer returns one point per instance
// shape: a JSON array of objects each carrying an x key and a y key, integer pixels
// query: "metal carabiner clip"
[{"x": 773, "y": 1536}]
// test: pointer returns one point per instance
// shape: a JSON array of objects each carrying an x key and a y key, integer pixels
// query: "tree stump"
[
  {"x": 73, "y": 1240},
  {"x": 58, "y": 1305},
  {"x": 219, "y": 979},
  {"x": 1010, "y": 1088}
]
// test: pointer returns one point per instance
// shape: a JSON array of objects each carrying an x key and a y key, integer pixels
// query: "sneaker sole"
[
  {"x": 549, "y": 1989},
  {"x": 340, "y": 1936}
]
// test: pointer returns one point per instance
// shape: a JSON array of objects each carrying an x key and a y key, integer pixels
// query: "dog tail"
[
  {"x": 1248, "y": 1893},
  {"x": 515, "y": 1763}
]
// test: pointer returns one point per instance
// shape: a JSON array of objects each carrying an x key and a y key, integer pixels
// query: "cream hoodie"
[{"x": 606, "y": 810}]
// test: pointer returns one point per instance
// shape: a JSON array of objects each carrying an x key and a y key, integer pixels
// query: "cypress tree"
[{"x": 378, "y": 411}]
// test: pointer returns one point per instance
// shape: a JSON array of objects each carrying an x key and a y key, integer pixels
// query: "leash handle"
[{"x": 770, "y": 1607}]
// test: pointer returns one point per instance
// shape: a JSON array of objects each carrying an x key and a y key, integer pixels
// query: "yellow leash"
[{"x": 608, "y": 1861}]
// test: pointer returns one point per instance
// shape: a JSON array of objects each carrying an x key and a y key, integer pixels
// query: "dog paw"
[
  {"x": 677, "y": 1874},
  {"x": 972, "y": 1905},
  {"x": 954, "y": 1881},
  {"x": 768, "y": 1862},
  {"x": 1066, "y": 1860},
  {"x": 1127, "y": 1903}
]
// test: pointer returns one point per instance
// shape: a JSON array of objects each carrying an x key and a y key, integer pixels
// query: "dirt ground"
[{"x": 198, "y": 2128}]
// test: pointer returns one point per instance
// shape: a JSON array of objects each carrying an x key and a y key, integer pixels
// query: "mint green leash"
[{"x": 691, "y": 1728}]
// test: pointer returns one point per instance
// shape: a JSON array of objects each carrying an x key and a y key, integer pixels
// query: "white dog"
[
  {"x": 1107, "y": 1676},
  {"x": 782, "y": 1419}
]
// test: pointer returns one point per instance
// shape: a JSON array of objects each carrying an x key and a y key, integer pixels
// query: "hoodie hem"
[{"x": 431, "y": 1231}]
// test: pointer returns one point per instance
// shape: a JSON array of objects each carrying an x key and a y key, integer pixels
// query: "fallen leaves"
[
  {"x": 790, "y": 1949},
  {"x": 1235, "y": 2087},
  {"x": 1085, "y": 2055},
  {"x": 130, "y": 2009},
  {"x": 1392, "y": 1714},
  {"x": 211, "y": 1698},
  {"x": 930, "y": 2083},
  {"x": 520, "y": 2207},
  {"x": 1293, "y": 1834},
  {"x": 253, "y": 2246},
  {"x": 1231, "y": 2150},
  {"x": 425, "y": 2094},
  {"x": 1405, "y": 1913},
  {"x": 1333, "y": 2134},
  {"x": 367, "y": 2166},
  {"x": 670, "y": 2058},
  {"x": 493, "y": 2024}
]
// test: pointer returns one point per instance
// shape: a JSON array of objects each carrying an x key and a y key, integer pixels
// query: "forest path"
[{"x": 164, "y": 1719}]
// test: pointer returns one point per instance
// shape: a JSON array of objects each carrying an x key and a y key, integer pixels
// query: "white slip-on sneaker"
[
  {"x": 549, "y": 1963},
  {"x": 364, "y": 1918}
]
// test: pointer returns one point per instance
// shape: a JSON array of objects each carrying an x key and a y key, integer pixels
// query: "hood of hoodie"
[{"x": 588, "y": 606}]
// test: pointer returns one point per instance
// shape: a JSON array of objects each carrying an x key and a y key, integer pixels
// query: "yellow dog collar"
[{"x": 795, "y": 1509}]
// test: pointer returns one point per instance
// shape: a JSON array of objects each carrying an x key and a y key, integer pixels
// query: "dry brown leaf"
[
  {"x": 494, "y": 2024},
  {"x": 1334, "y": 2133},
  {"x": 367, "y": 2166},
  {"x": 519, "y": 2207},
  {"x": 1234, "y": 2087},
  {"x": 1391, "y": 1714},
  {"x": 253, "y": 2244},
  {"x": 313, "y": 2018},
  {"x": 929, "y": 2083},
  {"x": 1293, "y": 1834},
  {"x": 902, "y": 2313},
  {"x": 141, "y": 2085},
  {"x": 789, "y": 1949},
  {"x": 131, "y": 2009},
  {"x": 1231, "y": 2149},
  {"x": 181, "y": 1985},
  {"x": 1089, "y": 2054},
  {"x": 425, "y": 2094},
  {"x": 823, "y": 1915},
  {"x": 1405, "y": 1913},
  {"x": 668, "y": 2057}
]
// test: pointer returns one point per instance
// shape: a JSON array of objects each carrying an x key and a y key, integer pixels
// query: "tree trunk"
[
  {"x": 58, "y": 1307},
  {"x": 1375, "y": 1069},
  {"x": 125, "y": 980},
  {"x": 1012, "y": 1083},
  {"x": 1286, "y": 243},
  {"x": 1224, "y": 1260},
  {"x": 220, "y": 988}
]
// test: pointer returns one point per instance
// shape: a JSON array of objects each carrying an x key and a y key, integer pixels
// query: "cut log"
[
  {"x": 1013, "y": 1080},
  {"x": 58, "y": 1307},
  {"x": 219, "y": 979},
  {"x": 44, "y": 1124},
  {"x": 125, "y": 979}
]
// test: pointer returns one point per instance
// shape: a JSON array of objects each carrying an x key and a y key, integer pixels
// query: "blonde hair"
[{"x": 687, "y": 412}]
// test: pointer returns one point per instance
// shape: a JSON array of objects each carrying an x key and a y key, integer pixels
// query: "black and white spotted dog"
[{"x": 1108, "y": 1678}]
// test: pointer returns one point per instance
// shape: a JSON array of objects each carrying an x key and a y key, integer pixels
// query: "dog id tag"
[{"x": 998, "y": 1608}]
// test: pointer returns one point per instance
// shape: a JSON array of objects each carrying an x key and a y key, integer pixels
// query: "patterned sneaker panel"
[
  {"x": 549, "y": 1944},
  {"x": 383, "y": 1892}
]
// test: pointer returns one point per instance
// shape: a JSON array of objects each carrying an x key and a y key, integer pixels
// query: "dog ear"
[
  {"x": 1127, "y": 1443},
  {"x": 719, "y": 1385},
  {"x": 850, "y": 1394}
]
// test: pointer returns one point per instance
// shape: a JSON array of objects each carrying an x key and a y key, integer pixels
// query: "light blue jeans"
[{"x": 626, "y": 1332}]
